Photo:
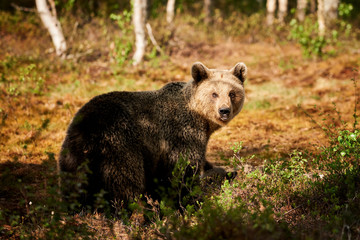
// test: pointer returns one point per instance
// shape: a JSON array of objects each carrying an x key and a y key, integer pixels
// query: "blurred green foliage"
[
  {"x": 90, "y": 8},
  {"x": 123, "y": 44}
]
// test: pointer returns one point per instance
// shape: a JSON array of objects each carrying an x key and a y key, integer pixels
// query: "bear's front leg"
[{"x": 217, "y": 172}]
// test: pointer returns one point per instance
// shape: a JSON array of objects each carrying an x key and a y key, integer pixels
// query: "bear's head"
[{"x": 218, "y": 95}]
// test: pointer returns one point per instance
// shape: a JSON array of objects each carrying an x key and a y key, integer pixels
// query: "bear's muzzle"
[{"x": 224, "y": 114}]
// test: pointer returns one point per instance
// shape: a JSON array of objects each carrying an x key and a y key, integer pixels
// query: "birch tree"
[
  {"x": 271, "y": 7},
  {"x": 170, "y": 11},
  {"x": 208, "y": 11},
  {"x": 330, "y": 9},
  {"x": 270, "y": 11},
  {"x": 327, "y": 11},
  {"x": 300, "y": 9},
  {"x": 52, "y": 24},
  {"x": 139, "y": 19},
  {"x": 312, "y": 6},
  {"x": 283, "y": 5},
  {"x": 321, "y": 17}
]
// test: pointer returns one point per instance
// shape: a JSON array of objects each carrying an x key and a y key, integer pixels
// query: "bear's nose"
[{"x": 224, "y": 111}]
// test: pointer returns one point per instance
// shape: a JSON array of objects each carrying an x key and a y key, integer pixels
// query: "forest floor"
[{"x": 40, "y": 94}]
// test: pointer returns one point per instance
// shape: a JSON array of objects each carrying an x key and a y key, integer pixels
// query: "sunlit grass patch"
[{"x": 270, "y": 95}]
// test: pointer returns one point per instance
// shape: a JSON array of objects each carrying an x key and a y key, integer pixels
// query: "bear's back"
[
  {"x": 104, "y": 110},
  {"x": 124, "y": 120},
  {"x": 129, "y": 115}
]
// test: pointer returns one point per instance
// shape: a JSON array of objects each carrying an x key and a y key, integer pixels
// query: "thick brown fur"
[{"x": 131, "y": 141}]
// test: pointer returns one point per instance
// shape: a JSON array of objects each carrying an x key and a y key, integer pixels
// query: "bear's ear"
[
  {"x": 239, "y": 71},
  {"x": 199, "y": 72}
]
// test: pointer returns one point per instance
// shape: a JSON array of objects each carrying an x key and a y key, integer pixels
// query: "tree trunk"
[
  {"x": 208, "y": 11},
  {"x": 52, "y": 25},
  {"x": 321, "y": 17},
  {"x": 283, "y": 5},
  {"x": 139, "y": 19},
  {"x": 312, "y": 6},
  {"x": 301, "y": 8},
  {"x": 170, "y": 11},
  {"x": 330, "y": 10},
  {"x": 270, "y": 9}
]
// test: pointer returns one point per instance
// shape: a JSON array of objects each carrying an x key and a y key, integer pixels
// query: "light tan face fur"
[{"x": 221, "y": 90}]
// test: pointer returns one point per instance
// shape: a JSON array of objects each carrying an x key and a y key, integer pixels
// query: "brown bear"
[{"x": 129, "y": 142}]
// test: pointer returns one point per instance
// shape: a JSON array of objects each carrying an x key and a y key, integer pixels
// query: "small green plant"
[
  {"x": 27, "y": 80},
  {"x": 313, "y": 44},
  {"x": 29, "y": 76},
  {"x": 227, "y": 216},
  {"x": 237, "y": 161},
  {"x": 180, "y": 199},
  {"x": 42, "y": 214},
  {"x": 286, "y": 64},
  {"x": 307, "y": 36},
  {"x": 348, "y": 144},
  {"x": 225, "y": 198},
  {"x": 288, "y": 171},
  {"x": 123, "y": 44},
  {"x": 185, "y": 185},
  {"x": 345, "y": 10},
  {"x": 333, "y": 192}
]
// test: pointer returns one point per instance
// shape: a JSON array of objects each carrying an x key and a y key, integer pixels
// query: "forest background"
[{"x": 295, "y": 145}]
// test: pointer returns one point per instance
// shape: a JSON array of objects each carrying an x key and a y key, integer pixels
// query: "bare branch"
[
  {"x": 24, "y": 9},
  {"x": 152, "y": 38}
]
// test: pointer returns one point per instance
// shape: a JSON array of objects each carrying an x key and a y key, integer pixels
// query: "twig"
[
  {"x": 326, "y": 129},
  {"x": 79, "y": 55},
  {"x": 152, "y": 38},
  {"x": 24, "y": 9},
  {"x": 356, "y": 100},
  {"x": 293, "y": 209}
]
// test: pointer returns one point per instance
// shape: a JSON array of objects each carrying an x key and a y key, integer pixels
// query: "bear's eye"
[
  {"x": 232, "y": 95},
  {"x": 215, "y": 95}
]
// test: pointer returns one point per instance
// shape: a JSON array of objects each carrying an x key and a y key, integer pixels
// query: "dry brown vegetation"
[{"x": 39, "y": 95}]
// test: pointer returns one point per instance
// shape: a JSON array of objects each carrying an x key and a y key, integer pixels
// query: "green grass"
[{"x": 267, "y": 95}]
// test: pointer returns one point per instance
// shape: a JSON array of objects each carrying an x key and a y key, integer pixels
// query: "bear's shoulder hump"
[{"x": 173, "y": 87}]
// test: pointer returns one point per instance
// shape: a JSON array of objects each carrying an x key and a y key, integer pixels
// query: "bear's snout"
[{"x": 224, "y": 113}]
